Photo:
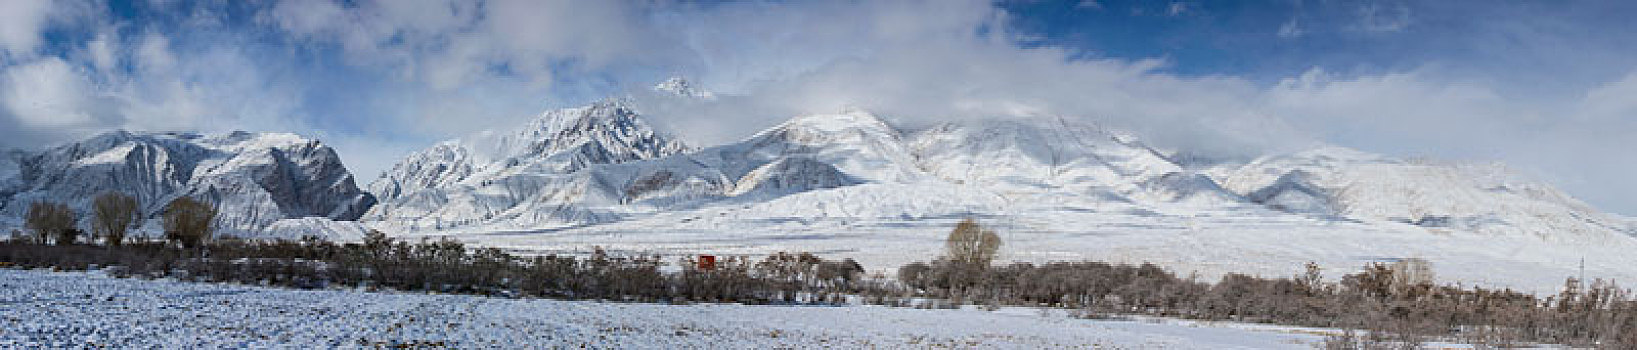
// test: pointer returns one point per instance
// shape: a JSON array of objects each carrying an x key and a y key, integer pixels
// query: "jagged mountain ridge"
[
  {"x": 512, "y": 175},
  {"x": 255, "y": 179}
]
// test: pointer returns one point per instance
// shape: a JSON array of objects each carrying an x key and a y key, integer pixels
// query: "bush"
[
  {"x": 113, "y": 213},
  {"x": 51, "y": 220},
  {"x": 915, "y": 274},
  {"x": 189, "y": 222}
]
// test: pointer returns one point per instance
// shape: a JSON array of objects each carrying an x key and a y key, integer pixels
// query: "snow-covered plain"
[
  {"x": 1209, "y": 243},
  {"x": 40, "y": 309}
]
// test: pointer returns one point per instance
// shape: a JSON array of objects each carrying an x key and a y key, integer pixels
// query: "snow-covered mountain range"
[
  {"x": 256, "y": 180},
  {"x": 854, "y": 184},
  {"x": 602, "y": 163}
]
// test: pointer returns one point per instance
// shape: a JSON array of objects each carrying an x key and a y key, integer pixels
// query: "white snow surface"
[
  {"x": 852, "y": 185},
  {"x": 40, "y": 309},
  {"x": 255, "y": 179}
]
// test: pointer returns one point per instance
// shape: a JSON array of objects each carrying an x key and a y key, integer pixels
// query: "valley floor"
[{"x": 41, "y": 309}]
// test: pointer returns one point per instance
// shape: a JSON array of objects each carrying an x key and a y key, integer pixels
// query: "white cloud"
[
  {"x": 918, "y": 68},
  {"x": 1291, "y": 29},
  {"x": 453, "y": 44},
  {"x": 1376, "y": 17},
  {"x": 21, "y": 22},
  {"x": 1613, "y": 101},
  {"x": 47, "y": 94},
  {"x": 1177, "y": 9},
  {"x": 1402, "y": 106},
  {"x": 102, "y": 53}
]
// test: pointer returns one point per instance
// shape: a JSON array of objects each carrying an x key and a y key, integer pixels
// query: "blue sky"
[{"x": 1544, "y": 86}]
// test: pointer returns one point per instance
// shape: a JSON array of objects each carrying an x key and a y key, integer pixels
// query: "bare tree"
[
  {"x": 51, "y": 220},
  {"x": 189, "y": 221},
  {"x": 972, "y": 244},
  {"x": 113, "y": 214}
]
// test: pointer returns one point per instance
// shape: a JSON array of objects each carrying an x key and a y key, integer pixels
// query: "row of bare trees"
[
  {"x": 1397, "y": 303},
  {"x": 187, "y": 221},
  {"x": 447, "y": 266}
]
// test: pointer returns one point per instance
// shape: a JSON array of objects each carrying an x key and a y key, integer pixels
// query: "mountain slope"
[
  {"x": 254, "y": 179},
  {"x": 1067, "y": 160},
  {"x": 1472, "y": 197}
]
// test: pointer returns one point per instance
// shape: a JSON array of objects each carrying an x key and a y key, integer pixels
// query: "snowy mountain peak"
[
  {"x": 610, "y": 125},
  {"x": 433, "y": 187},
  {"x": 819, "y": 129},
  {"x": 558, "y": 142},
  {"x": 681, "y": 87}
]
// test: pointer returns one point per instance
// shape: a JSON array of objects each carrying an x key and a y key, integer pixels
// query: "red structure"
[{"x": 707, "y": 262}]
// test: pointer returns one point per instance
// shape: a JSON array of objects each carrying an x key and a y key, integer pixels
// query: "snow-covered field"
[
  {"x": 1209, "y": 243},
  {"x": 40, "y": 309}
]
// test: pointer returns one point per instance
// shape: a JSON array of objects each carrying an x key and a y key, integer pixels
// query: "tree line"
[
  {"x": 1395, "y": 304},
  {"x": 187, "y": 221}
]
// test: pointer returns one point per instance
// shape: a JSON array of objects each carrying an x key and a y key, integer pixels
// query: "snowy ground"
[{"x": 40, "y": 309}]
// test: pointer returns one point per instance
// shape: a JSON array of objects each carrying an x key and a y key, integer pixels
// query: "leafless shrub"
[
  {"x": 789, "y": 273},
  {"x": 915, "y": 274}
]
